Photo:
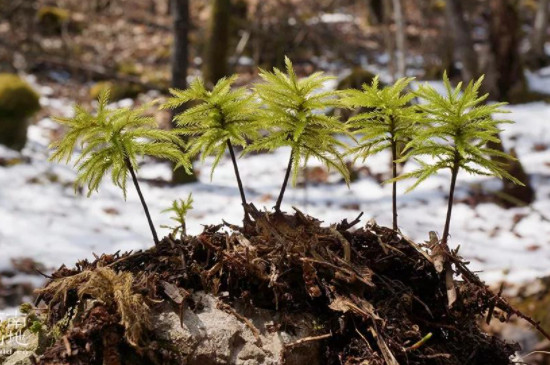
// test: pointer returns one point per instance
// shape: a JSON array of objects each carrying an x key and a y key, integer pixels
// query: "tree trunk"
[
  {"x": 217, "y": 50},
  {"x": 504, "y": 39},
  {"x": 399, "y": 38},
  {"x": 537, "y": 55},
  {"x": 153, "y": 7},
  {"x": 504, "y": 32},
  {"x": 513, "y": 195},
  {"x": 463, "y": 43},
  {"x": 180, "y": 63},
  {"x": 504, "y": 43},
  {"x": 388, "y": 39},
  {"x": 375, "y": 10}
]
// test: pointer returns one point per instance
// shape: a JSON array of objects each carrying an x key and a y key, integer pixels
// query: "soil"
[{"x": 378, "y": 297}]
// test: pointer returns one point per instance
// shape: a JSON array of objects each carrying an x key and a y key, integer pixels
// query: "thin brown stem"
[
  {"x": 145, "y": 208},
  {"x": 236, "y": 168},
  {"x": 285, "y": 182},
  {"x": 394, "y": 184},
  {"x": 454, "y": 174}
]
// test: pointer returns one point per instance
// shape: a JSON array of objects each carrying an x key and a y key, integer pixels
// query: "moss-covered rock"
[
  {"x": 129, "y": 68},
  {"x": 356, "y": 79},
  {"x": 18, "y": 101},
  {"x": 118, "y": 90},
  {"x": 51, "y": 19}
]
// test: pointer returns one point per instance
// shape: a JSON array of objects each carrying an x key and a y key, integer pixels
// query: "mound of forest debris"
[{"x": 373, "y": 296}]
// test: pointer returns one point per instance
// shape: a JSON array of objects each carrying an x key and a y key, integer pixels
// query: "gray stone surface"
[
  {"x": 19, "y": 358},
  {"x": 213, "y": 336},
  {"x": 210, "y": 336}
]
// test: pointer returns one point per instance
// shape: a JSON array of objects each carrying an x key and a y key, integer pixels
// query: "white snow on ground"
[
  {"x": 41, "y": 217},
  {"x": 539, "y": 80}
]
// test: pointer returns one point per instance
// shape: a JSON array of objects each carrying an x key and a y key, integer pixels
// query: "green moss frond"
[
  {"x": 220, "y": 115},
  {"x": 293, "y": 115},
  {"x": 389, "y": 117},
  {"x": 460, "y": 128},
  {"x": 180, "y": 208},
  {"x": 109, "y": 139}
]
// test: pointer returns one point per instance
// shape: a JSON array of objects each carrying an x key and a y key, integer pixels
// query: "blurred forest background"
[
  {"x": 150, "y": 44},
  {"x": 72, "y": 42}
]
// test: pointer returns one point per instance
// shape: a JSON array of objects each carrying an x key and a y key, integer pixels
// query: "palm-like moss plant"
[
  {"x": 294, "y": 116},
  {"x": 457, "y": 137},
  {"x": 180, "y": 209},
  {"x": 223, "y": 117},
  {"x": 111, "y": 141},
  {"x": 388, "y": 122}
]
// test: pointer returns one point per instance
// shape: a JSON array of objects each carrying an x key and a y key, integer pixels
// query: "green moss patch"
[{"x": 18, "y": 101}]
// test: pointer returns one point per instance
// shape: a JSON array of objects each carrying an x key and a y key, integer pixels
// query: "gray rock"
[
  {"x": 209, "y": 336},
  {"x": 16, "y": 349},
  {"x": 19, "y": 358},
  {"x": 213, "y": 336}
]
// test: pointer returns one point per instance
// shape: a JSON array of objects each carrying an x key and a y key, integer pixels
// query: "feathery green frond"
[
  {"x": 180, "y": 208},
  {"x": 388, "y": 123},
  {"x": 293, "y": 115},
  {"x": 111, "y": 141},
  {"x": 389, "y": 116},
  {"x": 220, "y": 115},
  {"x": 461, "y": 126}
]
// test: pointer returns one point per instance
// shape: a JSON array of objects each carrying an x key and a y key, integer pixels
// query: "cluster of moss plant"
[
  {"x": 283, "y": 110},
  {"x": 18, "y": 102}
]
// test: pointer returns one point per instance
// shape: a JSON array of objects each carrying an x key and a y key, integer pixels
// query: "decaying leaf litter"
[{"x": 377, "y": 296}]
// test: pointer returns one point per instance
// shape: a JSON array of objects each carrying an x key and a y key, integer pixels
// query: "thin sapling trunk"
[
  {"x": 285, "y": 182},
  {"x": 143, "y": 203},
  {"x": 237, "y": 175}
]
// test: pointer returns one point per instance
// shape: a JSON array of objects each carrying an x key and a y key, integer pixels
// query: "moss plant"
[
  {"x": 111, "y": 141},
  {"x": 180, "y": 209},
  {"x": 221, "y": 118},
  {"x": 457, "y": 137},
  {"x": 293, "y": 114},
  {"x": 390, "y": 120}
]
